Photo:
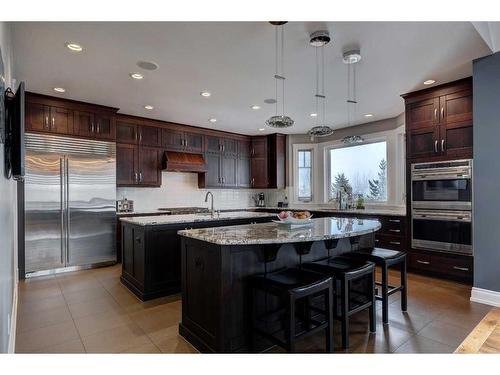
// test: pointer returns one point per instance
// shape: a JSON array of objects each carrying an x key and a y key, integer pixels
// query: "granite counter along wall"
[{"x": 181, "y": 190}]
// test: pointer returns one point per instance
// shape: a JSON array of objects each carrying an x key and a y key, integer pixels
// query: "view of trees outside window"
[
  {"x": 360, "y": 170},
  {"x": 305, "y": 175}
]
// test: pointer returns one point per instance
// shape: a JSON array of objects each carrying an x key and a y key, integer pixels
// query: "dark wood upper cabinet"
[
  {"x": 213, "y": 144},
  {"x": 126, "y": 132},
  {"x": 37, "y": 117},
  {"x": 149, "y": 136},
  {"x": 172, "y": 140},
  {"x": 193, "y": 142},
  {"x": 268, "y": 164},
  {"x": 84, "y": 123},
  {"x": 149, "y": 166},
  {"x": 138, "y": 165},
  {"x": 104, "y": 127},
  {"x": 245, "y": 147},
  {"x": 126, "y": 164},
  {"x": 439, "y": 122}
]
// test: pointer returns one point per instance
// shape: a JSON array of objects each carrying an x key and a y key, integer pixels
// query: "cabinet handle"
[
  {"x": 436, "y": 146},
  {"x": 92, "y": 127},
  {"x": 136, "y": 177},
  {"x": 135, "y": 135},
  {"x": 140, "y": 136},
  {"x": 423, "y": 262},
  {"x": 395, "y": 242},
  {"x": 460, "y": 268},
  {"x": 46, "y": 125},
  {"x": 395, "y": 230},
  {"x": 253, "y": 181},
  {"x": 53, "y": 122},
  {"x": 394, "y": 221},
  {"x": 442, "y": 113},
  {"x": 140, "y": 176},
  {"x": 219, "y": 180},
  {"x": 435, "y": 113},
  {"x": 98, "y": 128},
  {"x": 442, "y": 145},
  {"x": 223, "y": 180}
]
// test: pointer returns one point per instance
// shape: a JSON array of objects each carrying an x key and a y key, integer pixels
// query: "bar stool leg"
[
  {"x": 372, "y": 309},
  {"x": 291, "y": 326},
  {"x": 385, "y": 294},
  {"x": 404, "y": 284},
  {"x": 329, "y": 318},
  {"x": 251, "y": 321},
  {"x": 345, "y": 313}
]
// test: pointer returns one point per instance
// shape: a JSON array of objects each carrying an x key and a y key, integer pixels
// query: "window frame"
[
  {"x": 297, "y": 167},
  {"x": 339, "y": 145}
]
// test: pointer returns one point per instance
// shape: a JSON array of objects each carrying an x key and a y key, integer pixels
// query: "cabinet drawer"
[
  {"x": 393, "y": 226},
  {"x": 420, "y": 261},
  {"x": 452, "y": 266},
  {"x": 389, "y": 242}
]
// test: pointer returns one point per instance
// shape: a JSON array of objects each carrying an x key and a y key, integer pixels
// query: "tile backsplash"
[{"x": 181, "y": 190}]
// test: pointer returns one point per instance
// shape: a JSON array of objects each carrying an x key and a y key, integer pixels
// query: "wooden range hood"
[{"x": 183, "y": 162}]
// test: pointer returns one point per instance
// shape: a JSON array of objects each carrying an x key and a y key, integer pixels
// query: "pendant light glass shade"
[{"x": 279, "y": 121}]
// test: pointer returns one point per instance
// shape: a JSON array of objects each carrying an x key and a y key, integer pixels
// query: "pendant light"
[
  {"x": 351, "y": 58},
  {"x": 319, "y": 40},
  {"x": 279, "y": 120}
]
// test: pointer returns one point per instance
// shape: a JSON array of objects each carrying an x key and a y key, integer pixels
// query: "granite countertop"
[
  {"x": 388, "y": 211},
  {"x": 273, "y": 233},
  {"x": 193, "y": 218},
  {"x": 143, "y": 212}
]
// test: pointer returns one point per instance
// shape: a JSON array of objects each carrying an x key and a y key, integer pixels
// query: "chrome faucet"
[{"x": 212, "y": 205}]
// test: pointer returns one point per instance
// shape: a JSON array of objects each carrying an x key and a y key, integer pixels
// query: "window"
[
  {"x": 304, "y": 175},
  {"x": 360, "y": 170}
]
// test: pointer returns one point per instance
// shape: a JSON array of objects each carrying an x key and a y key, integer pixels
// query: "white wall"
[
  {"x": 8, "y": 224},
  {"x": 181, "y": 190}
]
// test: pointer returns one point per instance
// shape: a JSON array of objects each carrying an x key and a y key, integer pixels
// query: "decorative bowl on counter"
[{"x": 294, "y": 218}]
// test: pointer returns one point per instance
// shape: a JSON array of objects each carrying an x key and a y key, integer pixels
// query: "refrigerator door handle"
[
  {"x": 62, "y": 205},
  {"x": 67, "y": 210}
]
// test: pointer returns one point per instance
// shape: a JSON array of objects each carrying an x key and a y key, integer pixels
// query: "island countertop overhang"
[{"x": 320, "y": 229}]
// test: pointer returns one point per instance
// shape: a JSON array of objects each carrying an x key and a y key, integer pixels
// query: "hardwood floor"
[
  {"x": 91, "y": 312},
  {"x": 485, "y": 338}
]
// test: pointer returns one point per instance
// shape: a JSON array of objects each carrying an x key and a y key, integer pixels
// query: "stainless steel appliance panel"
[
  {"x": 91, "y": 212},
  {"x": 44, "y": 227}
]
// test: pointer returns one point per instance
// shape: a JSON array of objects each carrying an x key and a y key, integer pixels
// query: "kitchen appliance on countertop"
[
  {"x": 124, "y": 205},
  {"x": 184, "y": 210},
  {"x": 260, "y": 200},
  {"x": 69, "y": 205},
  {"x": 441, "y": 206}
]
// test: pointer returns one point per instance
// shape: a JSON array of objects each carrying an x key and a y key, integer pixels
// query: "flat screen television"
[{"x": 14, "y": 134}]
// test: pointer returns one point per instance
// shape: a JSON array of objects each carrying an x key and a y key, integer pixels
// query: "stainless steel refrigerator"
[{"x": 69, "y": 198}]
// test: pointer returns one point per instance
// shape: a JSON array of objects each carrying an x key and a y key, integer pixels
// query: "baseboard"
[
  {"x": 13, "y": 317},
  {"x": 485, "y": 296}
]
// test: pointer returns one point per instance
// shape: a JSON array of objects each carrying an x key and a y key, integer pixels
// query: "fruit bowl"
[{"x": 294, "y": 218}]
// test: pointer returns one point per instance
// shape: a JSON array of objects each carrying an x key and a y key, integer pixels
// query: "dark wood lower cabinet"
[
  {"x": 450, "y": 266},
  {"x": 151, "y": 265}
]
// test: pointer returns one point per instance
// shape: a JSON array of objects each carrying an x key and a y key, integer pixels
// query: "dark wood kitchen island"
[{"x": 217, "y": 262}]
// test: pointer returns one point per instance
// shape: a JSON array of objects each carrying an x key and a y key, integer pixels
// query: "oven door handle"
[{"x": 459, "y": 218}]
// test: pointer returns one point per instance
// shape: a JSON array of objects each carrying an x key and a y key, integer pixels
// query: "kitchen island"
[
  {"x": 217, "y": 262},
  {"x": 151, "y": 248}
]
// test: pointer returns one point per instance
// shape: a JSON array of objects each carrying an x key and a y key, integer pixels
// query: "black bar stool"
[
  {"x": 386, "y": 258},
  {"x": 346, "y": 270},
  {"x": 291, "y": 285}
]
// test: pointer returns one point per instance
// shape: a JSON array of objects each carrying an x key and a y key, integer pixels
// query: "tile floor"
[{"x": 91, "y": 312}]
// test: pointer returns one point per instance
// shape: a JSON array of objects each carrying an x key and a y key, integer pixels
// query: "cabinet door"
[
  {"x": 126, "y": 164},
  {"x": 456, "y": 107},
  {"x": 193, "y": 142},
  {"x": 244, "y": 148},
  {"x": 259, "y": 172},
  {"x": 149, "y": 136},
  {"x": 259, "y": 147},
  {"x": 423, "y": 142},
  {"x": 213, "y": 174},
  {"x": 126, "y": 132},
  {"x": 456, "y": 140},
  {"x": 213, "y": 144},
  {"x": 37, "y": 117},
  {"x": 149, "y": 166},
  {"x": 105, "y": 126},
  {"x": 84, "y": 124},
  {"x": 172, "y": 140},
  {"x": 422, "y": 114},
  {"x": 61, "y": 120},
  {"x": 228, "y": 168},
  {"x": 243, "y": 178},
  {"x": 229, "y": 146}
]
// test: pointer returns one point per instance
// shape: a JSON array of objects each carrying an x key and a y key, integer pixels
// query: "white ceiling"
[{"x": 235, "y": 62}]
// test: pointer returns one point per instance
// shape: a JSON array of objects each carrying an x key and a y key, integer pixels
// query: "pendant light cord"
[{"x": 283, "y": 70}]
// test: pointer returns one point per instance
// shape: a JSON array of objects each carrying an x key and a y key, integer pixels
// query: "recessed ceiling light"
[
  {"x": 429, "y": 82},
  {"x": 74, "y": 47},
  {"x": 270, "y": 101},
  {"x": 369, "y": 115},
  {"x": 147, "y": 65},
  {"x": 59, "y": 89},
  {"x": 212, "y": 120},
  {"x": 313, "y": 115},
  {"x": 148, "y": 107},
  {"x": 205, "y": 94},
  {"x": 136, "y": 75},
  {"x": 255, "y": 106},
  {"x": 262, "y": 129}
]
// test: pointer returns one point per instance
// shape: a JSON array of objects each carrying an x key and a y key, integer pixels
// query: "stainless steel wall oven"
[{"x": 441, "y": 204}]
